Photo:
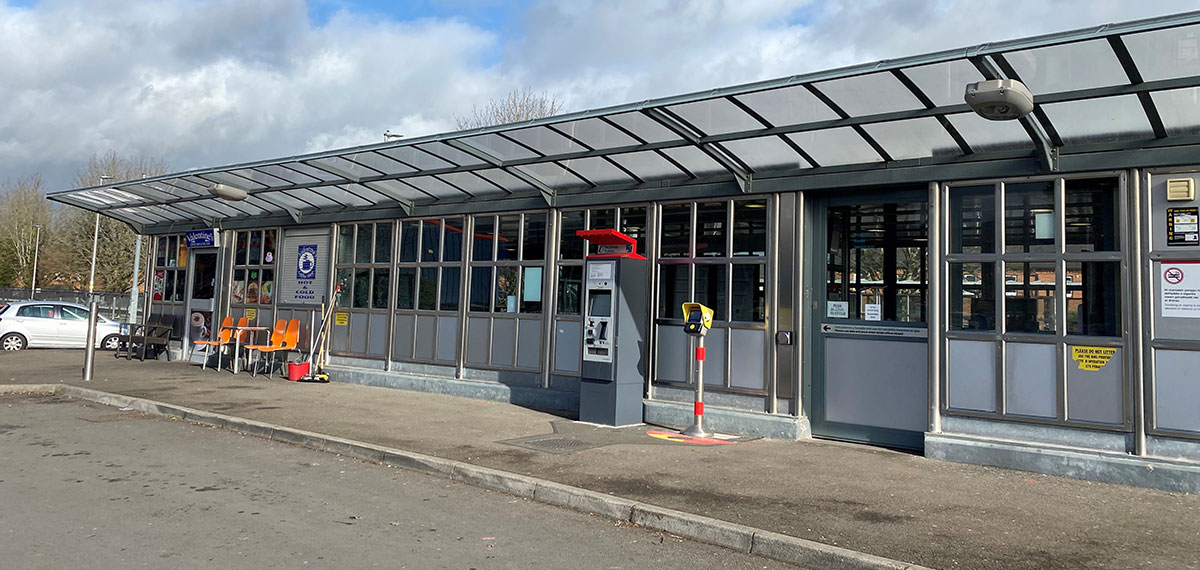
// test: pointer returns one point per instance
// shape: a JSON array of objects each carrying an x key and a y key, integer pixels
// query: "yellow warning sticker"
[
  {"x": 1092, "y": 357},
  {"x": 341, "y": 319},
  {"x": 251, "y": 314}
]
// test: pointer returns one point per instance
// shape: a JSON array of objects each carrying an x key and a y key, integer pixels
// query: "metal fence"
[{"x": 112, "y": 305}]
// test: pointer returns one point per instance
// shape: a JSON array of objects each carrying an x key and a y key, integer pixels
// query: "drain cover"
[{"x": 553, "y": 444}]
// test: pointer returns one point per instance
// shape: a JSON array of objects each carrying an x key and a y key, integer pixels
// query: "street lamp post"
[
  {"x": 37, "y": 242},
  {"x": 95, "y": 244}
]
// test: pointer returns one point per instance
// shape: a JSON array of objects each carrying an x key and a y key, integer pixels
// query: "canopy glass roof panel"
[
  {"x": 788, "y": 106},
  {"x": 1180, "y": 110},
  {"x": 1166, "y": 54},
  {"x": 836, "y": 147},
  {"x": 1068, "y": 67},
  {"x": 1119, "y": 84},
  {"x": 716, "y": 117},
  {"x": 596, "y": 134},
  {"x": 872, "y": 94}
]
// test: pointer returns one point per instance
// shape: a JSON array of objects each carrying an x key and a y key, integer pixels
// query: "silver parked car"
[{"x": 53, "y": 324}]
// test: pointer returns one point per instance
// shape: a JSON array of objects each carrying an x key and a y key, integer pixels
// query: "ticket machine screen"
[{"x": 601, "y": 305}]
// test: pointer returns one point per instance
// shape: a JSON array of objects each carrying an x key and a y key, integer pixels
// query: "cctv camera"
[{"x": 999, "y": 99}]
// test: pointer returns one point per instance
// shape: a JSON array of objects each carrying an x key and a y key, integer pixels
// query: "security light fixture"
[
  {"x": 999, "y": 99},
  {"x": 227, "y": 192}
]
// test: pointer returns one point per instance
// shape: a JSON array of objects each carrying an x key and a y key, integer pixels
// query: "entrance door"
[
  {"x": 201, "y": 292},
  {"x": 870, "y": 373}
]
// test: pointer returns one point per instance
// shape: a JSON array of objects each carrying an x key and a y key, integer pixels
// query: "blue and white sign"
[
  {"x": 201, "y": 238},
  {"x": 306, "y": 262}
]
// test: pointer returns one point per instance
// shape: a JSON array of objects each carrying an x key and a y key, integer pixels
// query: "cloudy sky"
[{"x": 211, "y": 82}]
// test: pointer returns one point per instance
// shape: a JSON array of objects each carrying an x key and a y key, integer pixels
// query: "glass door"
[{"x": 871, "y": 374}]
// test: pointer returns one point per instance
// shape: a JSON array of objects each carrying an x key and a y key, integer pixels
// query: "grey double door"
[{"x": 869, "y": 270}]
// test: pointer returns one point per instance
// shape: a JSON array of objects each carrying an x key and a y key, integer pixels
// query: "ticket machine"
[{"x": 614, "y": 331}]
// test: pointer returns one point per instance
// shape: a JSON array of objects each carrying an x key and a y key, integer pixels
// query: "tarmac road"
[{"x": 88, "y": 486}]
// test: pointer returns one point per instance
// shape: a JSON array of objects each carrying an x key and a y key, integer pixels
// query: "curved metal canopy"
[{"x": 1113, "y": 87}]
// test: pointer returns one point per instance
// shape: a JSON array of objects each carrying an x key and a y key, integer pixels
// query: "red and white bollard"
[{"x": 697, "y": 428}]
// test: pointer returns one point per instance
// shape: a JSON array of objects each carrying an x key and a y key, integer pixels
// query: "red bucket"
[{"x": 296, "y": 371}]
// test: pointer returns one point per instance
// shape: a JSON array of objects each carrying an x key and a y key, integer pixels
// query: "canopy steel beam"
[
  {"x": 548, "y": 193},
  {"x": 741, "y": 173}
]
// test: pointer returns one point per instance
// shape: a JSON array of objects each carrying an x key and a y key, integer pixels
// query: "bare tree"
[
  {"x": 22, "y": 208},
  {"x": 116, "y": 241},
  {"x": 518, "y": 105}
]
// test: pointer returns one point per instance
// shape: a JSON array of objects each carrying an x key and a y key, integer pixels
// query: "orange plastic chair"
[
  {"x": 291, "y": 337},
  {"x": 276, "y": 341},
  {"x": 224, "y": 338}
]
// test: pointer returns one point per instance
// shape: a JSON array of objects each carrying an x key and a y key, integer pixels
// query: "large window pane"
[
  {"x": 237, "y": 294},
  {"x": 255, "y": 254},
  {"x": 242, "y": 248},
  {"x": 535, "y": 237},
  {"x": 344, "y": 278},
  {"x": 452, "y": 239},
  {"x": 710, "y": 288},
  {"x": 749, "y": 293},
  {"x": 1029, "y": 297},
  {"x": 427, "y": 299},
  {"x": 531, "y": 289},
  {"x": 750, "y": 228},
  {"x": 406, "y": 288},
  {"x": 972, "y": 296},
  {"x": 363, "y": 246},
  {"x": 180, "y": 284},
  {"x": 676, "y": 230},
  {"x": 1029, "y": 217},
  {"x": 266, "y": 292},
  {"x": 973, "y": 220},
  {"x": 345, "y": 245},
  {"x": 602, "y": 219},
  {"x": 160, "y": 255},
  {"x": 383, "y": 243},
  {"x": 485, "y": 238},
  {"x": 379, "y": 288},
  {"x": 269, "y": 246},
  {"x": 451, "y": 286},
  {"x": 431, "y": 240},
  {"x": 711, "y": 224},
  {"x": 1091, "y": 215},
  {"x": 570, "y": 284},
  {"x": 173, "y": 252},
  {"x": 509, "y": 237},
  {"x": 362, "y": 288},
  {"x": 1093, "y": 298},
  {"x": 507, "y": 281},
  {"x": 633, "y": 224},
  {"x": 481, "y": 288},
  {"x": 673, "y": 291},
  {"x": 571, "y": 246},
  {"x": 408, "y": 241}
]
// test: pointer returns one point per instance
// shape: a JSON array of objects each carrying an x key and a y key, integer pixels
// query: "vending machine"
[{"x": 615, "y": 320}]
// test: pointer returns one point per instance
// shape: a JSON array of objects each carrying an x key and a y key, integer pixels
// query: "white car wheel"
[
  {"x": 13, "y": 341},
  {"x": 111, "y": 342}
]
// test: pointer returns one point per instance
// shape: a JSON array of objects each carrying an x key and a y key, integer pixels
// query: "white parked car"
[{"x": 53, "y": 324}]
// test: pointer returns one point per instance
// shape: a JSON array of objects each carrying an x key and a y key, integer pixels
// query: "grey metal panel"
[
  {"x": 358, "y": 333},
  {"x": 478, "y": 340},
  {"x": 1178, "y": 389},
  {"x": 673, "y": 357},
  {"x": 1031, "y": 379},
  {"x": 504, "y": 336},
  {"x": 1097, "y": 395},
  {"x": 1158, "y": 212},
  {"x": 714, "y": 363},
  {"x": 971, "y": 372},
  {"x": 747, "y": 368},
  {"x": 447, "y": 339},
  {"x": 377, "y": 339},
  {"x": 402, "y": 340},
  {"x": 339, "y": 336},
  {"x": 291, "y": 289},
  {"x": 529, "y": 343},
  {"x": 888, "y": 388},
  {"x": 568, "y": 341},
  {"x": 426, "y": 334}
]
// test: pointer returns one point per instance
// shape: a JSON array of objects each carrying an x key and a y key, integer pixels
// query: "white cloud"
[{"x": 221, "y": 81}]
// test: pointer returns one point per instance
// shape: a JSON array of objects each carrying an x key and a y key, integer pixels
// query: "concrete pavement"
[{"x": 881, "y": 503}]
